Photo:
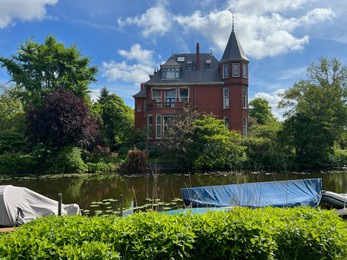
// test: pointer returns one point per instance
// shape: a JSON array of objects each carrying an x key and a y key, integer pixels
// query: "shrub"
[
  {"x": 101, "y": 167},
  {"x": 135, "y": 162},
  {"x": 268, "y": 233},
  {"x": 13, "y": 163}
]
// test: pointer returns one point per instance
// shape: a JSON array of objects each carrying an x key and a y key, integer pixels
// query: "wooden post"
[
  {"x": 121, "y": 205},
  {"x": 60, "y": 200}
]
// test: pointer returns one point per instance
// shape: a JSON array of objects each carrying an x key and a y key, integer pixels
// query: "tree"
[
  {"x": 179, "y": 142},
  {"x": 312, "y": 139},
  {"x": 37, "y": 69},
  {"x": 317, "y": 109},
  {"x": 215, "y": 145},
  {"x": 11, "y": 112},
  {"x": 261, "y": 110},
  {"x": 117, "y": 119},
  {"x": 63, "y": 120}
]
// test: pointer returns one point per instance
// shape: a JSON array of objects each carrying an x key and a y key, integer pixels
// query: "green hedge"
[{"x": 270, "y": 233}]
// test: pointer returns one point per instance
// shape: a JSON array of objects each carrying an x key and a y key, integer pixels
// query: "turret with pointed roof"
[{"x": 233, "y": 51}]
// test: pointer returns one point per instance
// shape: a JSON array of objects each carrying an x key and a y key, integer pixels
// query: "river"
[{"x": 101, "y": 194}]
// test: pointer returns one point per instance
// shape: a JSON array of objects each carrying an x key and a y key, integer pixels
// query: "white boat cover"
[{"x": 19, "y": 205}]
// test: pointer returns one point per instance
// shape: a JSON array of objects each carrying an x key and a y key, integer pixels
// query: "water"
[{"x": 100, "y": 194}]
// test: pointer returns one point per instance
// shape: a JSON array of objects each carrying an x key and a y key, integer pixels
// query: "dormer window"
[
  {"x": 189, "y": 65},
  {"x": 170, "y": 73},
  {"x": 208, "y": 64}
]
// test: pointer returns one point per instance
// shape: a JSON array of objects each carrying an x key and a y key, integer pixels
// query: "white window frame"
[
  {"x": 138, "y": 107},
  {"x": 244, "y": 126},
  {"x": 226, "y": 98},
  {"x": 183, "y": 98},
  {"x": 157, "y": 98},
  {"x": 244, "y": 70},
  {"x": 165, "y": 124},
  {"x": 150, "y": 126},
  {"x": 208, "y": 64},
  {"x": 225, "y": 71},
  {"x": 244, "y": 98},
  {"x": 236, "y": 70},
  {"x": 158, "y": 127}
]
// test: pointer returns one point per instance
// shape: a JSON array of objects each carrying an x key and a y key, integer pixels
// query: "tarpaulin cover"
[
  {"x": 20, "y": 205},
  {"x": 306, "y": 192}
]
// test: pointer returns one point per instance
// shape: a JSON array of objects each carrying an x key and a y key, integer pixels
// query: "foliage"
[
  {"x": 311, "y": 138},
  {"x": 14, "y": 163},
  {"x": 63, "y": 120},
  {"x": 135, "y": 162},
  {"x": 319, "y": 103},
  {"x": 100, "y": 154},
  {"x": 37, "y": 69},
  {"x": 11, "y": 111},
  {"x": 266, "y": 150},
  {"x": 66, "y": 159},
  {"x": 261, "y": 110},
  {"x": 117, "y": 120},
  {"x": 11, "y": 141},
  {"x": 215, "y": 147},
  {"x": 180, "y": 138},
  {"x": 101, "y": 167},
  {"x": 241, "y": 233}
]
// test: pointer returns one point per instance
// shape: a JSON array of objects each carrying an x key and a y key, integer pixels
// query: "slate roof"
[
  {"x": 233, "y": 51},
  {"x": 189, "y": 76}
]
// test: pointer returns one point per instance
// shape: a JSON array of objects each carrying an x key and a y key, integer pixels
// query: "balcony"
[{"x": 168, "y": 105}]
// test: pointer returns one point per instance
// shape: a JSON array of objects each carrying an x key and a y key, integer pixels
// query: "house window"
[
  {"x": 150, "y": 126},
  {"x": 225, "y": 71},
  {"x": 168, "y": 121},
  {"x": 208, "y": 65},
  {"x": 170, "y": 97},
  {"x": 244, "y": 127},
  {"x": 158, "y": 127},
  {"x": 226, "y": 122},
  {"x": 183, "y": 94},
  {"x": 138, "y": 108},
  {"x": 170, "y": 73},
  {"x": 156, "y": 95},
  {"x": 244, "y": 98},
  {"x": 225, "y": 98},
  {"x": 244, "y": 71},
  {"x": 189, "y": 65},
  {"x": 236, "y": 69}
]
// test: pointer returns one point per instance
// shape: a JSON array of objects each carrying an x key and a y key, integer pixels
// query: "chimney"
[{"x": 197, "y": 56}]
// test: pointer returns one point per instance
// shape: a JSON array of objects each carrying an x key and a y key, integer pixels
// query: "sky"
[{"x": 127, "y": 40}]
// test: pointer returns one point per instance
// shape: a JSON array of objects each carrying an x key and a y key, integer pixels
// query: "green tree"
[
  {"x": 117, "y": 120},
  {"x": 317, "y": 109},
  {"x": 11, "y": 112},
  {"x": 37, "y": 69},
  {"x": 215, "y": 147},
  {"x": 260, "y": 110}
]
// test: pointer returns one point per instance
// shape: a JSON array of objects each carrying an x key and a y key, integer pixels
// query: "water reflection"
[{"x": 158, "y": 190}]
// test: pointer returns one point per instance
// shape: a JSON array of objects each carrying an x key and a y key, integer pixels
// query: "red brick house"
[{"x": 196, "y": 81}]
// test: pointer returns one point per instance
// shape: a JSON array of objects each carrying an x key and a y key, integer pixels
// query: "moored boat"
[
  {"x": 333, "y": 199},
  {"x": 290, "y": 193}
]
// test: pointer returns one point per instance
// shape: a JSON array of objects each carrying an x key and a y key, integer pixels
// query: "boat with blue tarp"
[{"x": 290, "y": 193}]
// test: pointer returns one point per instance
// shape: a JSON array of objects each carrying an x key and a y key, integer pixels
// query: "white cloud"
[
  {"x": 273, "y": 98},
  {"x": 138, "y": 54},
  {"x": 124, "y": 71},
  {"x": 265, "y": 28},
  {"x": 155, "y": 21},
  {"x": 25, "y": 10}
]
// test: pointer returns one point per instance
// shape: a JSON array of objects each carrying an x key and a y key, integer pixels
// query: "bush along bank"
[{"x": 268, "y": 233}]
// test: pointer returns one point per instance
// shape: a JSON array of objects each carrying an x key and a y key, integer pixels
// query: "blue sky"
[{"x": 127, "y": 40}]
